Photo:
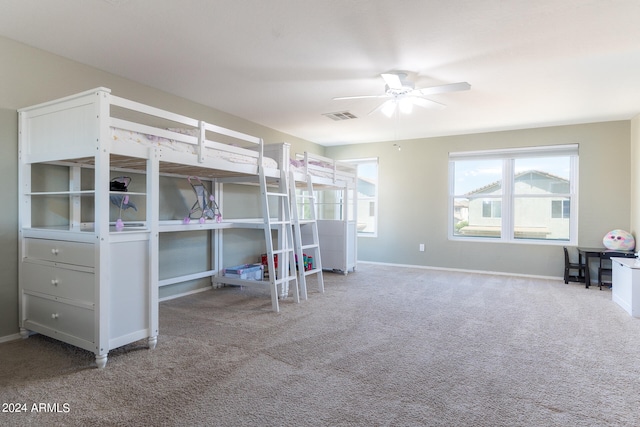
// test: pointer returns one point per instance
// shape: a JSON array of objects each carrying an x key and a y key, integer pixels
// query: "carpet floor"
[{"x": 384, "y": 346}]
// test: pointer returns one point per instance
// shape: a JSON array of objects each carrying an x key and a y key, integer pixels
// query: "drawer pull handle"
[
  {"x": 55, "y": 315},
  {"x": 55, "y": 251},
  {"x": 54, "y": 282}
]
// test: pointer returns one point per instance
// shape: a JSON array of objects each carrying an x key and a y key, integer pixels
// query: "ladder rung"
[
  {"x": 282, "y": 251},
  {"x": 277, "y": 194},
  {"x": 285, "y": 222},
  {"x": 312, "y": 271},
  {"x": 315, "y": 245},
  {"x": 286, "y": 279}
]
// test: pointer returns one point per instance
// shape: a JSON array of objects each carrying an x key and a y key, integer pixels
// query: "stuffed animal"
[{"x": 619, "y": 240}]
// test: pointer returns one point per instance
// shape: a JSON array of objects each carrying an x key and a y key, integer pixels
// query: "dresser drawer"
[
  {"x": 61, "y": 251},
  {"x": 69, "y": 319},
  {"x": 59, "y": 282}
]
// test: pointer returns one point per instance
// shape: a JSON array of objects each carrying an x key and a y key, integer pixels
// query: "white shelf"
[
  {"x": 178, "y": 225},
  {"x": 62, "y": 193}
]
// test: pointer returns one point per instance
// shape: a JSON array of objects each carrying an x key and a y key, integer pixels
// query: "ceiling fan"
[{"x": 403, "y": 95}]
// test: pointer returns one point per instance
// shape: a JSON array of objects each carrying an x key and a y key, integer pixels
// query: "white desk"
[{"x": 625, "y": 290}]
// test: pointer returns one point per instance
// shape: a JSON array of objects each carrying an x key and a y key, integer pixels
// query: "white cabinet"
[
  {"x": 336, "y": 221},
  {"x": 82, "y": 280},
  {"x": 337, "y": 241},
  {"x": 625, "y": 290}
]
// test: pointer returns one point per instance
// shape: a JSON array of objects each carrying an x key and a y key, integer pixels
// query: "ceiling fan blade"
[
  {"x": 452, "y": 87},
  {"x": 388, "y": 108},
  {"x": 360, "y": 97},
  {"x": 392, "y": 80},
  {"x": 426, "y": 103}
]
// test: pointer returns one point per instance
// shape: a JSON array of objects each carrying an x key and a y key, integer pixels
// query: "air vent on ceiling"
[{"x": 341, "y": 115}]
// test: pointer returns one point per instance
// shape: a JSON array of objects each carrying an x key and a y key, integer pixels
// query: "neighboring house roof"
[
  {"x": 522, "y": 176},
  {"x": 366, "y": 186}
]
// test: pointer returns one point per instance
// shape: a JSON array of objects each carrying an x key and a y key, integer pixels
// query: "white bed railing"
[
  {"x": 338, "y": 172},
  {"x": 200, "y": 136}
]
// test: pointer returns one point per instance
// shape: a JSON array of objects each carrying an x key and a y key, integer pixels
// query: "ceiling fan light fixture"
[
  {"x": 389, "y": 107},
  {"x": 406, "y": 105}
]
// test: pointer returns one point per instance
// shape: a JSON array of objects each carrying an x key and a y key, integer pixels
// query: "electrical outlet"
[{"x": 421, "y": 248}]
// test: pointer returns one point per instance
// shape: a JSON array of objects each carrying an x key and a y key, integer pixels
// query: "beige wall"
[
  {"x": 9, "y": 222},
  {"x": 413, "y": 198},
  {"x": 635, "y": 178}
]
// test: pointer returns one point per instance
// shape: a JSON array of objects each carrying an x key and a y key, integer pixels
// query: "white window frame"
[{"x": 508, "y": 157}]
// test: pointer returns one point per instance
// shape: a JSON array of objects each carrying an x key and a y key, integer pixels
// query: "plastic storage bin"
[{"x": 245, "y": 271}]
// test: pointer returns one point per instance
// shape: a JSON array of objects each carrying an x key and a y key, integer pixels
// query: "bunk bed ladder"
[
  {"x": 306, "y": 198},
  {"x": 284, "y": 275}
]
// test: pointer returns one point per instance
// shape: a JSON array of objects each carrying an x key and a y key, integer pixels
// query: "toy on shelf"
[
  {"x": 121, "y": 184},
  {"x": 205, "y": 203}
]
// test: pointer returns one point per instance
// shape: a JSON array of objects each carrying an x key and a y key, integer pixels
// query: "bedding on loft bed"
[
  {"x": 149, "y": 140},
  {"x": 323, "y": 170}
]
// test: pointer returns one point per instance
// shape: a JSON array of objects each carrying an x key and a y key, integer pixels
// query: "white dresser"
[
  {"x": 626, "y": 284},
  {"x": 82, "y": 280}
]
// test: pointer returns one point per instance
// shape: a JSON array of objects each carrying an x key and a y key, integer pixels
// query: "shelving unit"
[{"x": 81, "y": 281}]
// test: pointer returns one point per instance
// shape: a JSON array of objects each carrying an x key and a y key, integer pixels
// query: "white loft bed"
[
  {"x": 337, "y": 229},
  {"x": 108, "y": 296},
  {"x": 337, "y": 234}
]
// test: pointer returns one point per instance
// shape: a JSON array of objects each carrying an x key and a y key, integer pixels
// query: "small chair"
[{"x": 569, "y": 266}]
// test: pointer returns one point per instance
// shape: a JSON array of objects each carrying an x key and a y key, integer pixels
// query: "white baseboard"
[
  {"x": 184, "y": 294},
  {"x": 8, "y": 338},
  {"x": 462, "y": 270}
]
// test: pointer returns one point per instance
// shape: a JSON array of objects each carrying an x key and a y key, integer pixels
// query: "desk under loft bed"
[{"x": 88, "y": 276}]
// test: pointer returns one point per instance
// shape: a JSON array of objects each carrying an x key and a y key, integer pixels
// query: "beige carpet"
[{"x": 381, "y": 347}]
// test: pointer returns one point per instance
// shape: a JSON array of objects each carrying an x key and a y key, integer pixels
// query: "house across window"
[{"x": 514, "y": 195}]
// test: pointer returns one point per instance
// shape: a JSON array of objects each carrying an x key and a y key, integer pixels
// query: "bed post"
[{"x": 201, "y": 139}]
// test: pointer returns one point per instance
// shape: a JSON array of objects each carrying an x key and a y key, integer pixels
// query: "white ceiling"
[{"x": 530, "y": 63}]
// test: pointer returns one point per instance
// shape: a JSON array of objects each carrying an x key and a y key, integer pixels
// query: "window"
[
  {"x": 492, "y": 209},
  {"x": 560, "y": 209},
  {"x": 367, "y": 221},
  {"x": 527, "y": 194}
]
